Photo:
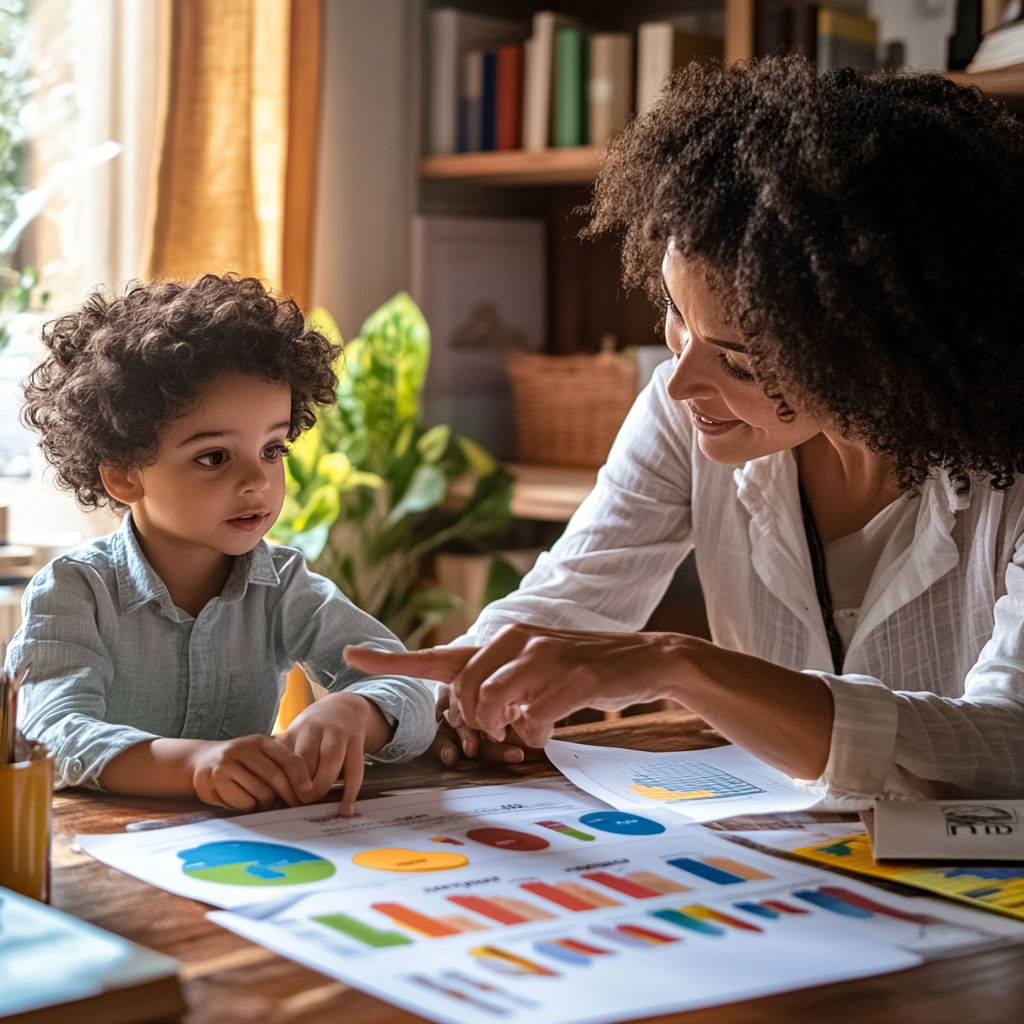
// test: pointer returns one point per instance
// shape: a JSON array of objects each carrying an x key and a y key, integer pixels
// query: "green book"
[{"x": 572, "y": 74}]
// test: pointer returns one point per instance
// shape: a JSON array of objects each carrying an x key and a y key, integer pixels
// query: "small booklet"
[
  {"x": 951, "y": 831},
  {"x": 55, "y": 969}
]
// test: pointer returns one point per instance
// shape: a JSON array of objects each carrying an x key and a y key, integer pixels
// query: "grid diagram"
[{"x": 689, "y": 781}]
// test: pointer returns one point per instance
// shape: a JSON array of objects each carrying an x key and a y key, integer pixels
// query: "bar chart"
[
  {"x": 502, "y": 909},
  {"x": 570, "y": 895},
  {"x": 720, "y": 870}
]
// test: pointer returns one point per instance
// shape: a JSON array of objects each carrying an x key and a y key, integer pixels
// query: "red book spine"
[{"x": 511, "y": 67}]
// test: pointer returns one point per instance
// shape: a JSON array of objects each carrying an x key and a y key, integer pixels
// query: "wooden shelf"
[
  {"x": 551, "y": 493},
  {"x": 1006, "y": 84},
  {"x": 575, "y": 166}
]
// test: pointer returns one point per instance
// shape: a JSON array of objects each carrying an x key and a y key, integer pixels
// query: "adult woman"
[{"x": 840, "y": 437}]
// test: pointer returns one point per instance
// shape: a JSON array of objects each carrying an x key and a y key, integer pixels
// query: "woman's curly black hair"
[
  {"x": 120, "y": 368},
  {"x": 870, "y": 229}
]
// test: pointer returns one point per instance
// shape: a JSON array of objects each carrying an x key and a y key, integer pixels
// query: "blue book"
[{"x": 489, "y": 113}]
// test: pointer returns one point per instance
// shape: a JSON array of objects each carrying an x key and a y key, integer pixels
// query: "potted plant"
[{"x": 366, "y": 487}]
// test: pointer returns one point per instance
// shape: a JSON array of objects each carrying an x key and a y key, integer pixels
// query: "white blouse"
[{"x": 931, "y": 700}]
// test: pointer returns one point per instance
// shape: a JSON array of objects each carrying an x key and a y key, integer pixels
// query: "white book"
[
  {"x": 654, "y": 60},
  {"x": 951, "y": 831},
  {"x": 611, "y": 85},
  {"x": 452, "y": 34},
  {"x": 539, "y": 73}
]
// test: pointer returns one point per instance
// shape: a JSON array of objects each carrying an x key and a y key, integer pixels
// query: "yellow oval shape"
[{"x": 398, "y": 859}]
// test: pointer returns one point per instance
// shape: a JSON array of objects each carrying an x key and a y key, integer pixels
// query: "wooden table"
[{"x": 228, "y": 980}]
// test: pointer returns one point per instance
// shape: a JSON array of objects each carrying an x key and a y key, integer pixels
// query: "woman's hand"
[
  {"x": 331, "y": 736},
  {"x": 528, "y": 677},
  {"x": 454, "y": 736}
]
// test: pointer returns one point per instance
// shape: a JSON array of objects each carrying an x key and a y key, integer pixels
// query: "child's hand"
[
  {"x": 248, "y": 773},
  {"x": 331, "y": 737}
]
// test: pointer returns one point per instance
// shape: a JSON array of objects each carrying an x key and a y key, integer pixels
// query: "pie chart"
[
  {"x": 240, "y": 862},
  {"x": 507, "y": 839},
  {"x": 622, "y": 823},
  {"x": 394, "y": 858}
]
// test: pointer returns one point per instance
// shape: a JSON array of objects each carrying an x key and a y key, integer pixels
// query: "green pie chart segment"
[{"x": 241, "y": 862}]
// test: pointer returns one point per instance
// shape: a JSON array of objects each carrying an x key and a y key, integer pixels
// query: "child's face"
[{"x": 218, "y": 480}]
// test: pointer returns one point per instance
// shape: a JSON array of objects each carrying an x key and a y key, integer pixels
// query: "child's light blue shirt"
[{"x": 114, "y": 662}]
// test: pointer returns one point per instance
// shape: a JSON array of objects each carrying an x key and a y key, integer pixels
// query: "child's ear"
[{"x": 123, "y": 485}]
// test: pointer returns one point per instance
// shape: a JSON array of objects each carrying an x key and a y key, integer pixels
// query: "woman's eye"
[
  {"x": 738, "y": 372},
  {"x": 212, "y": 459},
  {"x": 276, "y": 451}
]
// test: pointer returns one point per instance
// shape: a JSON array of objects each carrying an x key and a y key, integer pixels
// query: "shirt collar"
[{"x": 137, "y": 583}]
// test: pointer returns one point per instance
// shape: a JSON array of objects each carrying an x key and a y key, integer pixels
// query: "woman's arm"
[{"x": 531, "y": 677}]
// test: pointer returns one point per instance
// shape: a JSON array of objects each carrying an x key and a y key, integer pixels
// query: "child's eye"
[
  {"x": 276, "y": 451},
  {"x": 211, "y": 459}
]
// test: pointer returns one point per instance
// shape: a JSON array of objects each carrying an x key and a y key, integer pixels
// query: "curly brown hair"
[
  {"x": 870, "y": 230},
  {"x": 120, "y": 368}
]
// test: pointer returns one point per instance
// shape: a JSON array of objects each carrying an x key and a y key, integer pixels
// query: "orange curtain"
[{"x": 235, "y": 179}]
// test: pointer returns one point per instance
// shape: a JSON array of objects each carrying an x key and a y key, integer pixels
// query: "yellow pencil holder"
[{"x": 25, "y": 827}]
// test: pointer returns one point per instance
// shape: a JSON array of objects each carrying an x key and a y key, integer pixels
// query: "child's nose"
[{"x": 254, "y": 478}]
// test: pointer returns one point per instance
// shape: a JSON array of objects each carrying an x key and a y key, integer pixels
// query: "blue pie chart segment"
[{"x": 622, "y": 823}]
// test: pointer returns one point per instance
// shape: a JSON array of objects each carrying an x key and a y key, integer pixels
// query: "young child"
[{"x": 158, "y": 653}]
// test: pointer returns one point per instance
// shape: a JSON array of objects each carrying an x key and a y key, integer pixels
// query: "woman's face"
[{"x": 736, "y": 421}]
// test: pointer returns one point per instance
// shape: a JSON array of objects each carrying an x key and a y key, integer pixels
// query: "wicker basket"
[{"x": 568, "y": 409}]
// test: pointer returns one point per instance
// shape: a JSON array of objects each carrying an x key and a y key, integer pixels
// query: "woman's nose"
[{"x": 690, "y": 378}]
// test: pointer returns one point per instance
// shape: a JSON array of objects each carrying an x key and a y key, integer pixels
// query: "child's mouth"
[{"x": 249, "y": 522}]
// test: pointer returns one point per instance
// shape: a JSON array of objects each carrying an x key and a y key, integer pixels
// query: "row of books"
[
  {"x": 499, "y": 84},
  {"x": 833, "y": 37}
]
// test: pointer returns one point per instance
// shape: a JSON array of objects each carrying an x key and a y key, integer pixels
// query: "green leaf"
[
  {"x": 501, "y": 581},
  {"x": 335, "y": 466},
  {"x": 434, "y": 443},
  {"x": 479, "y": 461},
  {"x": 312, "y": 542},
  {"x": 321, "y": 509},
  {"x": 425, "y": 490}
]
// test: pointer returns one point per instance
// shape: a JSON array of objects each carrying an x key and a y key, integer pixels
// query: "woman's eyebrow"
[{"x": 732, "y": 346}]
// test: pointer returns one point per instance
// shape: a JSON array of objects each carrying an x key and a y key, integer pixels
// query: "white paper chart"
[
  {"x": 535, "y": 903},
  {"x": 700, "y": 785}
]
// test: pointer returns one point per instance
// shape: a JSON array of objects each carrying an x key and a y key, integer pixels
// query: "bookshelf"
[{"x": 574, "y": 166}]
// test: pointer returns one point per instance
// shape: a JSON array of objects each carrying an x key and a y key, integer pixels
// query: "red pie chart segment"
[{"x": 507, "y": 839}]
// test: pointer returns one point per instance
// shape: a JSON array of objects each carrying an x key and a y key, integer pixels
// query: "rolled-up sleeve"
[
  {"x": 65, "y": 699},
  {"x": 919, "y": 745},
  {"x": 317, "y": 621}
]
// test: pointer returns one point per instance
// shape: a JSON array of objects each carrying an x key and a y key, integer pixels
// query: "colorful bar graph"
[
  {"x": 462, "y": 923},
  {"x": 500, "y": 910},
  {"x": 782, "y": 907},
  {"x": 874, "y": 907},
  {"x": 570, "y": 951},
  {"x": 658, "y": 882},
  {"x": 363, "y": 933},
  {"x": 737, "y": 868},
  {"x": 703, "y": 913},
  {"x": 570, "y": 895},
  {"x": 708, "y": 872},
  {"x": 504, "y": 962},
  {"x": 627, "y": 886},
  {"x": 566, "y": 830},
  {"x": 432, "y": 927},
  {"x": 683, "y": 920},
  {"x": 633, "y": 935},
  {"x": 826, "y": 901},
  {"x": 759, "y": 909}
]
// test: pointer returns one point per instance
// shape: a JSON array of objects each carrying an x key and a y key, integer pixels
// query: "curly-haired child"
[{"x": 158, "y": 653}]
